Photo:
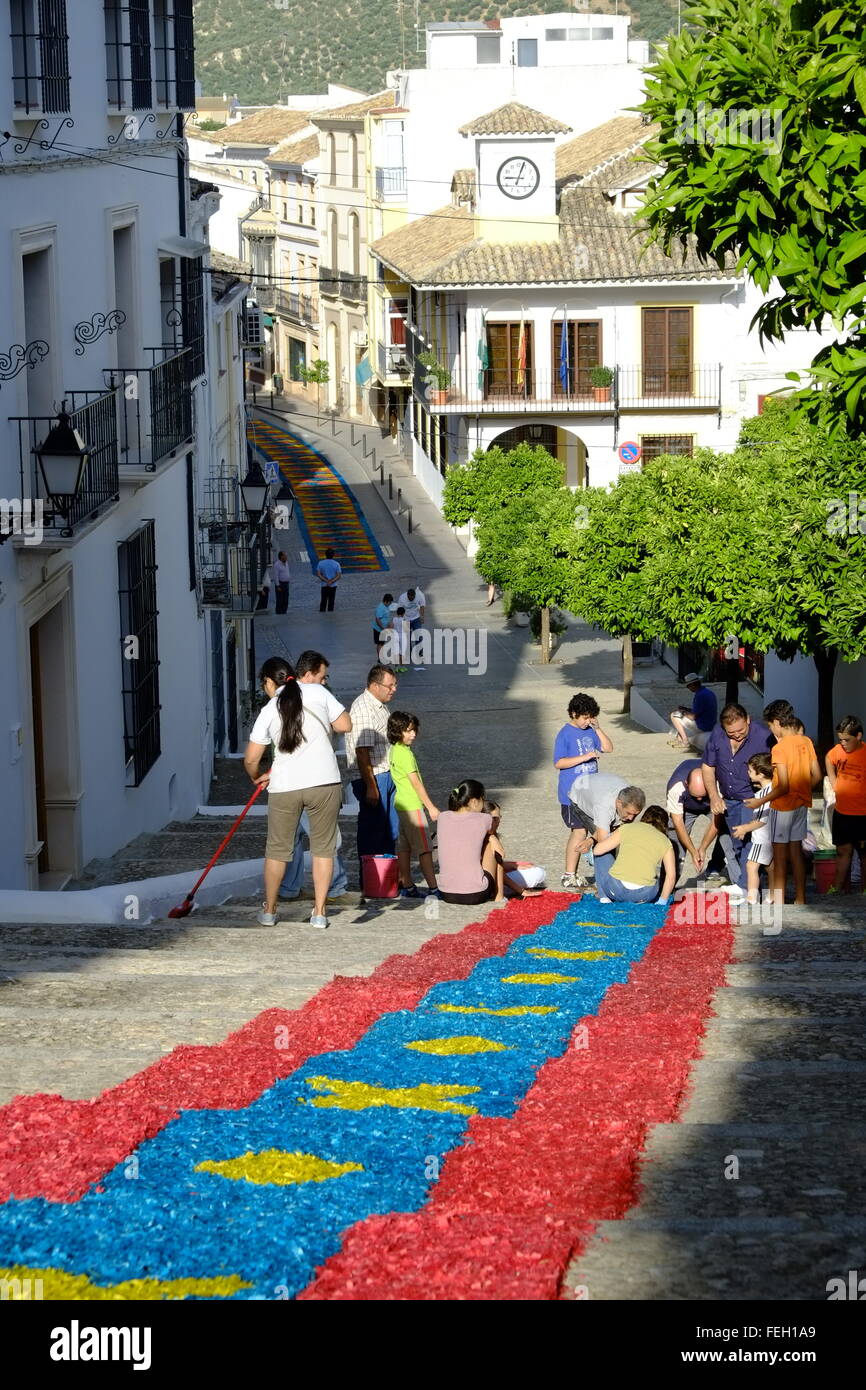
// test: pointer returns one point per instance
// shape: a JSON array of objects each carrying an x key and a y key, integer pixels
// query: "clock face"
[{"x": 518, "y": 177}]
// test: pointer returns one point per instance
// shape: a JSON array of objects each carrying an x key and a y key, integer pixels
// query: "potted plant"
[
  {"x": 518, "y": 607},
  {"x": 601, "y": 380},
  {"x": 439, "y": 374}
]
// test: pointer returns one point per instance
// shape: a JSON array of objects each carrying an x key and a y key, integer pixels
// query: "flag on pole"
[
  {"x": 564, "y": 355},
  {"x": 483, "y": 354},
  {"x": 521, "y": 356}
]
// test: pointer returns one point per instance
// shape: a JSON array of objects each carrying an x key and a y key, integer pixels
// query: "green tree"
[
  {"x": 523, "y": 519},
  {"x": 761, "y": 112}
]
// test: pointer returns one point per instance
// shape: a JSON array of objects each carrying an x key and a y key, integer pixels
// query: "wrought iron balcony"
[
  {"x": 340, "y": 285},
  {"x": 94, "y": 415},
  {"x": 232, "y": 554},
  {"x": 154, "y": 407},
  {"x": 394, "y": 361},
  {"x": 508, "y": 390},
  {"x": 298, "y": 307},
  {"x": 651, "y": 387},
  {"x": 390, "y": 183}
]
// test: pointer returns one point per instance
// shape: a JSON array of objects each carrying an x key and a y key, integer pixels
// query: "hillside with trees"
[{"x": 266, "y": 50}]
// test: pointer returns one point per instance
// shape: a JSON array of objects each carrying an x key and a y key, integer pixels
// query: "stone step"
[
  {"x": 813, "y": 1038},
  {"x": 91, "y": 1031},
  {"x": 797, "y": 972},
  {"x": 772, "y": 999},
  {"x": 740, "y": 1259},
  {"x": 721, "y": 1091}
]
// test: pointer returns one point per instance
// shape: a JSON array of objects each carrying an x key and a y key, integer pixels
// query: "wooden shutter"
[
  {"x": 667, "y": 351},
  {"x": 139, "y": 54},
  {"x": 588, "y": 353},
  {"x": 499, "y": 359}
]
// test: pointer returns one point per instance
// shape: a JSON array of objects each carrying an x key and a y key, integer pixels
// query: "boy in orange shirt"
[
  {"x": 846, "y": 769},
  {"x": 795, "y": 772}
]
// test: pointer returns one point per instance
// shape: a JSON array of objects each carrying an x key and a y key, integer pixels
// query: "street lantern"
[
  {"x": 62, "y": 460},
  {"x": 284, "y": 508},
  {"x": 254, "y": 491}
]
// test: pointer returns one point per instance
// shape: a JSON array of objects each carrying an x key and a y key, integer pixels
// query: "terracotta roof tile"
[
  {"x": 265, "y": 127},
  {"x": 514, "y": 119},
  {"x": 463, "y": 185},
  {"x": 579, "y": 157},
  {"x": 295, "y": 151},
  {"x": 419, "y": 247},
  {"x": 357, "y": 109}
]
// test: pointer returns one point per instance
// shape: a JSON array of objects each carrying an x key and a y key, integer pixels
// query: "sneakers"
[
  {"x": 410, "y": 892},
  {"x": 320, "y": 922},
  {"x": 267, "y": 919},
  {"x": 433, "y": 893},
  {"x": 571, "y": 882},
  {"x": 604, "y": 900}
]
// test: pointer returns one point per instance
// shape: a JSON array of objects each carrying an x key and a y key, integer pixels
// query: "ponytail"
[
  {"x": 463, "y": 793},
  {"x": 290, "y": 705}
]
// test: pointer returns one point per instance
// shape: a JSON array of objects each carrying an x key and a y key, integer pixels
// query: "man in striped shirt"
[{"x": 367, "y": 754}]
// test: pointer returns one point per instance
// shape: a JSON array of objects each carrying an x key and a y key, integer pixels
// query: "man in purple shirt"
[{"x": 735, "y": 739}]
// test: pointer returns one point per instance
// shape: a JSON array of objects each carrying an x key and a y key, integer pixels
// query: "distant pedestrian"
[
  {"x": 330, "y": 573},
  {"x": 415, "y": 603},
  {"x": 367, "y": 756},
  {"x": 694, "y": 726},
  {"x": 265, "y": 590},
  {"x": 382, "y": 620},
  {"x": 402, "y": 634},
  {"x": 846, "y": 769},
  {"x": 281, "y": 580}
]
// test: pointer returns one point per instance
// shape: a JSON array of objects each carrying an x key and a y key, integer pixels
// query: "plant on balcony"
[
  {"x": 436, "y": 372},
  {"x": 601, "y": 380}
]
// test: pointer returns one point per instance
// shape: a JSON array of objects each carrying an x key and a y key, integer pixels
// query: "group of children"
[{"x": 473, "y": 867}]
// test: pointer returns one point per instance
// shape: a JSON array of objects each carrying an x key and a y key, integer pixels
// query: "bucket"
[
  {"x": 380, "y": 877},
  {"x": 825, "y": 872}
]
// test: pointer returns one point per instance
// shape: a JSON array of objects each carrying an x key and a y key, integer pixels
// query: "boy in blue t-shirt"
[{"x": 575, "y": 754}]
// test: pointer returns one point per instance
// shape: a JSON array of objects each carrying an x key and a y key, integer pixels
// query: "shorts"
[
  {"x": 788, "y": 826},
  {"x": 413, "y": 835},
  {"x": 575, "y": 819},
  {"x": 322, "y": 805},
  {"x": 848, "y": 830},
  {"x": 486, "y": 895},
  {"x": 760, "y": 853}
]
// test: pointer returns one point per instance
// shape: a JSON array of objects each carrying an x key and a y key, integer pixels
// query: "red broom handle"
[{"x": 259, "y": 788}]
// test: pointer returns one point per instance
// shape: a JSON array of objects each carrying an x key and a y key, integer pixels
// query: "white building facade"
[{"x": 105, "y": 703}]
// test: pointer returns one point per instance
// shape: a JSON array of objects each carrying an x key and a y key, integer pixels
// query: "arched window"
[
  {"x": 332, "y": 158},
  {"x": 353, "y": 150},
  {"x": 355, "y": 242},
  {"x": 333, "y": 248}
]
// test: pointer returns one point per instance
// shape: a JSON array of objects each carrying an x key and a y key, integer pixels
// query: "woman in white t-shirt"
[{"x": 297, "y": 720}]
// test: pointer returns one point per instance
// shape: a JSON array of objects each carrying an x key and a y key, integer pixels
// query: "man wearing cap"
[{"x": 694, "y": 726}]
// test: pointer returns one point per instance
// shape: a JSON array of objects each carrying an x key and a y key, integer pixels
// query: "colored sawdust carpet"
[
  {"x": 366, "y": 1146},
  {"x": 326, "y": 509}
]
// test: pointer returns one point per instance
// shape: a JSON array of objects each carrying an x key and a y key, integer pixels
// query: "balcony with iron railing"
[
  {"x": 93, "y": 414},
  {"x": 390, "y": 184},
  {"x": 510, "y": 390},
  {"x": 154, "y": 408},
  {"x": 232, "y": 552},
  {"x": 337, "y": 284},
  {"x": 300, "y": 308},
  {"x": 394, "y": 362}
]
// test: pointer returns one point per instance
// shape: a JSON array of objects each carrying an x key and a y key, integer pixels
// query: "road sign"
[{"x": 629, "y": 452}]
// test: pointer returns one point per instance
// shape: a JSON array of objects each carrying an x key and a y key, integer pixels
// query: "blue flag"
[{"x": 564, "y": 363}]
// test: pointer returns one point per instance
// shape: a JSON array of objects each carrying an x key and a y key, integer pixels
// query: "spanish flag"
[{"x": 521, "y": 356}]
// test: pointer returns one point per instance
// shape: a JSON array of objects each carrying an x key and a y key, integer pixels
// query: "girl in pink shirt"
[{"x": 468, "y": 870}]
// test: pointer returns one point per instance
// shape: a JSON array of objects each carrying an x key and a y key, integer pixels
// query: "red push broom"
[{"x": 187, "y": 905}]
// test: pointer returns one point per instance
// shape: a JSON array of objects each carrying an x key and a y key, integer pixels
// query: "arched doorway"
[{"x": 561, "y": 443}]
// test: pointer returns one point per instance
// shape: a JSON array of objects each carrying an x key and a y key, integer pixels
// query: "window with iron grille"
[
  {"x": 139, "y": 633},
  {"x": 654, "y": 445},
  {"x": 184, "y": 56},
  {"x": 192, "y": 309},
  {"x": 127, "y": 54},
  {"x": 40, "y": 56}
]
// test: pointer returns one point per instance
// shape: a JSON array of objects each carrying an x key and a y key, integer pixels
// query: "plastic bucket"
[
  {"x": 825, "y": 872},
  {"x": 380, "y": 877}
]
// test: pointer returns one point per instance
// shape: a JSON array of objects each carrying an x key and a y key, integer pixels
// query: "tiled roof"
[
  {"x": 358, "y": 109},
  {"x": 514, "y": 119},
  {"x": 229, "y": 265},
  {"x": 265, "y": 127},
  {"x": 596, "y": 242},
  {"x": 579, "y": 157},
  {"x": 463, "y": 185},
  {"x": 629, "y": 171},
  {"x": 295, "y": 151}
]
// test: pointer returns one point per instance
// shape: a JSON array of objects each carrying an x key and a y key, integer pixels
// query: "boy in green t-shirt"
[{"x": 410, "y": 799}]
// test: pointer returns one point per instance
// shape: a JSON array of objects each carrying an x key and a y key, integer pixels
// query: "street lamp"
[
  {"x": 254, "y": 491},
  {"x": 284, "y": 508},
  {"x": 62, "y": 460}
]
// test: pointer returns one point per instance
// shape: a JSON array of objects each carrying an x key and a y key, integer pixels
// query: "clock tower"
[{"x": 515, "y": 172}]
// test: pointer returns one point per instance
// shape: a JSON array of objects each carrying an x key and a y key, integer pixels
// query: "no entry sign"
[{"x": 629, "y": 452}]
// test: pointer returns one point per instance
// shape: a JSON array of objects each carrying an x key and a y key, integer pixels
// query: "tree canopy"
[{"x": 761, "y": 108}]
